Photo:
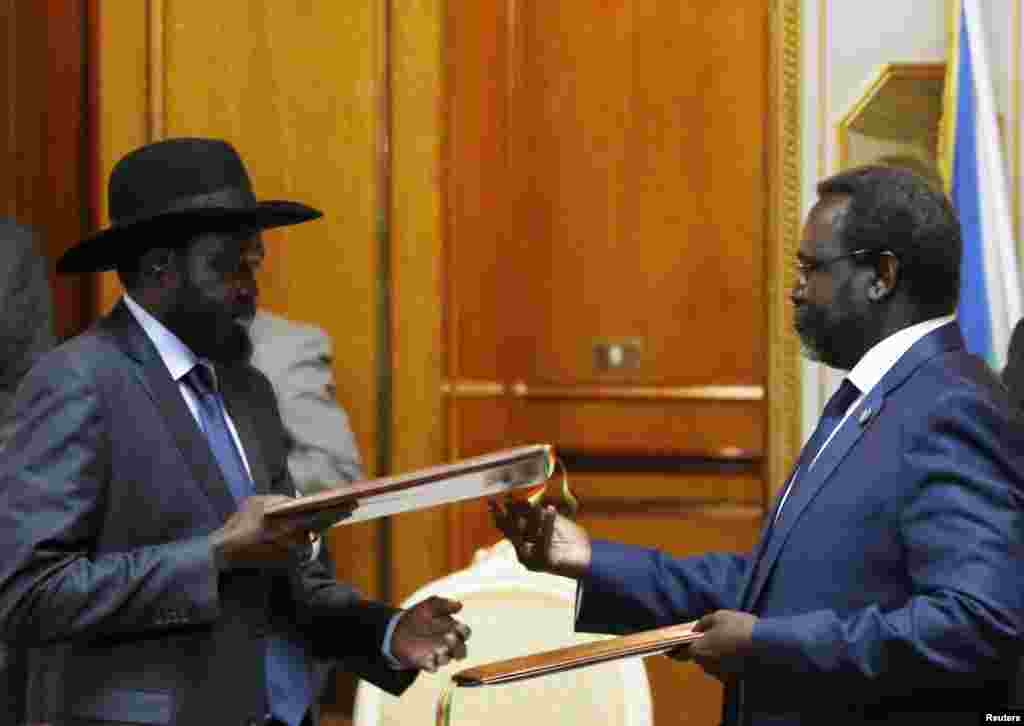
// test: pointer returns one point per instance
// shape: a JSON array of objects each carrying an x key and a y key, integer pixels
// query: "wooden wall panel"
[
  {"x": 44, "y": 153},
  {"x": 589, "y": 202},
  {"x": 594, "y": 197},
  {"x": 638, "y": 193},
  {"x": 608, "y": 181},
  {"x": 697, "y": 428},
  {"x": 477, "y": 145},
  {"x": 418, "y": 541},
  {"x": 296, "y": 89},
  {"x": 122, "y": 108}
]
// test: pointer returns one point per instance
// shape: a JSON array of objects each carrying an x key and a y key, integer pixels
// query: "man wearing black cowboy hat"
[{"x": 142, "y": 457}]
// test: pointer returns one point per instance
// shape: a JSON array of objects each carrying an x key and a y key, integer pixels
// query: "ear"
[
  {"x": 155, "y": 266},
  {"x": 887, "y": 272}
]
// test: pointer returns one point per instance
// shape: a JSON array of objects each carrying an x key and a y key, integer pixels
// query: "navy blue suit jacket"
[
  {"x": 108, "y": 492},
  {"x": 894, "y": 583}
]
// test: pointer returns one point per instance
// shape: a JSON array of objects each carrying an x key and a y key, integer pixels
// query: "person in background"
[
  {"x": 888, "y": 577},
  {"x": 26, "y": 333},
  {"x": 296, "y": 358}
]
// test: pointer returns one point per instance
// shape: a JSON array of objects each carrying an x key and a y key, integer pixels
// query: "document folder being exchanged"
[
  {"x": 648, "y": 642},
  {"x": 481, "y": 476}
]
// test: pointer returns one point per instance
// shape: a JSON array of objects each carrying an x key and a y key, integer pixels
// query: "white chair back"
[{"x": 514, "y": 612}]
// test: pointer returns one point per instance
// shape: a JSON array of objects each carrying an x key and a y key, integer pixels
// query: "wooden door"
[{"x": 606, "y": 195}]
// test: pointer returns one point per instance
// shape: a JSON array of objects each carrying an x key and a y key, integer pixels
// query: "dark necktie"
[
  {"x": 289, "y": 674},
  {"x": 831, "y": 417},
  {"x": 215, "y": 427}
]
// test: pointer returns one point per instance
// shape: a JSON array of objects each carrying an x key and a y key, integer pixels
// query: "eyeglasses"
[{"x": 806, "y": 265}]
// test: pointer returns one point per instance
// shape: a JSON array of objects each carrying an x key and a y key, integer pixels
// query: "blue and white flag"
[{"x": 990, "y": 296}]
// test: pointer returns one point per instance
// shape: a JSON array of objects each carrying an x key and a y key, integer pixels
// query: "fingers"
[
  {"x": 449, "y": 646},
  {"x": 326, "y": 519},
  {"x": 683, "y": 654},
  {"x": 436, "y": 607},
  {"x": 706, "y": 623},
  {"x": 512, "y": 518},
  {"x": 527, "y": 527},
  {"x": 547, "y": 527},
  {"x": 456, "y": 644},
  {"x": 509, "y": 518},
  {"x": 429, "y": 636}
]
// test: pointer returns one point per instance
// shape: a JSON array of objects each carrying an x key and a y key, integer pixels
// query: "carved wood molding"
[{"x": 784, "y": 209}]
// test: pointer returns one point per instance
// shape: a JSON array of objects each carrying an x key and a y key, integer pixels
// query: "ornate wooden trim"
[
  {"x": 520, "y": 389},
  {"x": 474, "y": 389},
  {"x": 784, "y": 210}
]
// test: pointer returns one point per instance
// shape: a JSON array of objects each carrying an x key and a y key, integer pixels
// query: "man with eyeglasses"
[{"x": 888, "y": 578}]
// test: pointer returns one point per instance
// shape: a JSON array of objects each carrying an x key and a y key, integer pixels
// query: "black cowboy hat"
[{"x": 163, "y": 194}]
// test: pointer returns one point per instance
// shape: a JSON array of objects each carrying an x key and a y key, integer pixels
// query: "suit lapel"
[
  {"x": 146, "y": 364},
  {"x": 822, "y": 472}
]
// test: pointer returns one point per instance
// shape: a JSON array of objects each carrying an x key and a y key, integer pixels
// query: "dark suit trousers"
[{"x": 13, "y": 682}]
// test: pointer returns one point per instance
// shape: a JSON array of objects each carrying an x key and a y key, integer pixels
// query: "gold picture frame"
[{"x": 897, "y": 120}]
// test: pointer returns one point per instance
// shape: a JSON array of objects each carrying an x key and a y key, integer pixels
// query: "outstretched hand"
[
  {"x": 545, "y": 540},
  {"x": 427, "y": 637}
]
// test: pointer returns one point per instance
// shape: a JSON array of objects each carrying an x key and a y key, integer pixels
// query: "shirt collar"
[
  {"x": 177, "y": 356},
  {"x": 874, "y": 364}
]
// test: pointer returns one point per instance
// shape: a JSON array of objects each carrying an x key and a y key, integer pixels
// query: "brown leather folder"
[
  {"x": 492, "y": 474},
  {"x": 649, "y": 642}
]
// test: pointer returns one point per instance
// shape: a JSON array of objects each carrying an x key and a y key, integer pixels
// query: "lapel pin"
[{"x": 866, "y": 415}]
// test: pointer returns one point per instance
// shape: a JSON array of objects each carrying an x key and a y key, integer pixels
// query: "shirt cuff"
[{"x": 385, "y": 647}]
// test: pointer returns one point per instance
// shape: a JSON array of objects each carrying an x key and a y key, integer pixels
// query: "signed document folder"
[
  {"x": 492, "y": 474},
  {"x": 648, "y": 642}
]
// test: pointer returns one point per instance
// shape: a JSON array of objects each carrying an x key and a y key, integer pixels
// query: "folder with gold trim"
[
  {"x": 493, "y": 474},
  {"x": 648, "y": 642}
]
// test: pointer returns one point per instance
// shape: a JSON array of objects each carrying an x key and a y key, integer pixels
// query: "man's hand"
[
  {"x": 728, "y": 636},
  {"x": 544, "y": 539},
  {"x": 427, "y": 637},
  {"x": 250, "y": 540}
]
